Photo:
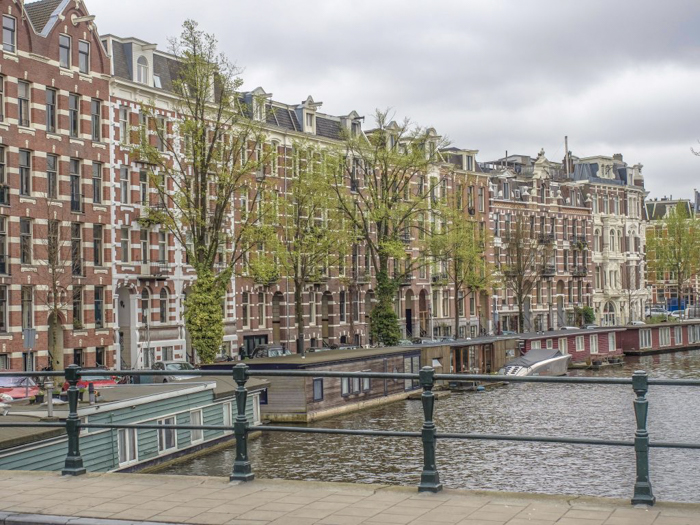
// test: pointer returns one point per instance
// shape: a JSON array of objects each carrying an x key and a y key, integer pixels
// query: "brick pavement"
[{"x": 48, "y": 498}]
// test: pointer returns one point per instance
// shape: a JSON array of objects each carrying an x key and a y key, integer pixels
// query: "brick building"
[{"x": 55, "y": 262}]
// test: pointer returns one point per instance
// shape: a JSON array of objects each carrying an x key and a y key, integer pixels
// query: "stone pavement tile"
[
  {"x": 496, "y": 512},
  {"x": 422, "y": 503},
  {"x": 469, "y": 501},
  {"x": 301, "y": 500},
  {"x": 677, "y": 520},
  {"x": 526, "y": 521},
  {"x": 155, "y": 505},
  {"x": 261, "y": 515},
  {"x": 578, "y": 521},
  {"x": 326, "y": 505},
  {"x": 280, "y": 507},
  {"x": 374, "y": 504},
  {"x": 354, "y": 510},
  {"x": 89, "y": 513},
  {"x": 206, "y": 503},
  {"x": 402, "y": 510},
  {"x": 589, "y": 514},
  {"x": 65, "y": 509},
  {"x": 135, "y": 514},
  {"x": 232, "y": 509},
  {"x": 335, "y": 519},
  {"x": 210, "y": 518},
  {"x": 305, "y": 512},
  {"x": 391, "y": 519},
  {"x": 470, "y": 521},
  {"x": 237, "y": 521},
  {"x": 444, "y": 518},
  {"x": 389, "y": 496},
  {"x": 632, "y": 516},
  {"x": 343, "y": 498},
  {"x": 286, "y": 520},
  {"x": 181, "y": 510},
  {"x": 111, "y": 507},
  {"x": 175, "y": 519}
]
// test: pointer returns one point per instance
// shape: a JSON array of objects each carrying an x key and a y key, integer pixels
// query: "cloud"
[{"x": 517, "y": 75}]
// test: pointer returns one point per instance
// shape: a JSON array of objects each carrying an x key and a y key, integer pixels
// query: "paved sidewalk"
[{"x": 147, "y": 498}]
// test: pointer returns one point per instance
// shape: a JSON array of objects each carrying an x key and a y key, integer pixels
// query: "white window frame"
[
  {"x": 131, "y": 440},
  {"x": 196, "y": 436},
  {"x": 612, "y": 342},
  {"x": 227, "y": 416},
  {"x": 170, "y": 420},
  {"x": 664, "y": 336},
  {"x": 678, "y": 331},
  {"x": 536, "y": 345},
  {"x": 580, "y": 343},
  {"x": 593, "y": 343},
  {"x": 563, "y": 345},
  {"x": 645, "y": 338}
]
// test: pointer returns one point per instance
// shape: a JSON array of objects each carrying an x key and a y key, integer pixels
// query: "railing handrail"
[{"x": 430, "y": 479}]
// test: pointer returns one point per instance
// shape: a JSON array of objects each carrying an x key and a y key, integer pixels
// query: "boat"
[{"x": 538, "y": 362}]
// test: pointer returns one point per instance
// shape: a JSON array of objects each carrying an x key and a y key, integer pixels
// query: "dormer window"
[
  {"x": 310, "y": 118},
  {"x": 355, "y": 129},
  {"x": 156, "y": 82},
  {"x": 142, "y": 70}
]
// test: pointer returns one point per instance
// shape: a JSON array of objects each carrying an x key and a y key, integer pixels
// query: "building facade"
[{"x": 55, "y": 234}]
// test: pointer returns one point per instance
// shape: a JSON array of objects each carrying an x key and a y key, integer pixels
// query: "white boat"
[{"x": 538, "y": 362}]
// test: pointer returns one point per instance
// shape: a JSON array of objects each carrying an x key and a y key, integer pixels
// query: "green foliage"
[
  {"x": 204, "y": 317},
  {"x": 384, "y": 323}
]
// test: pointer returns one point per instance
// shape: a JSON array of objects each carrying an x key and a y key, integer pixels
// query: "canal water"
[{"x": 535, "y": 409}]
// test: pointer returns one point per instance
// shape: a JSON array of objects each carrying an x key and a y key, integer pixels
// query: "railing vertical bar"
[
  {"x": 74, "y": 461},
  {"x": 242, "y": 469},
  {"x": 642, "y": 487},
  {"x": 430, "y": 478}
]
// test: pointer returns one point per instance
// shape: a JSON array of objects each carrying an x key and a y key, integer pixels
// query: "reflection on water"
[{"x": 536, "y": 409}]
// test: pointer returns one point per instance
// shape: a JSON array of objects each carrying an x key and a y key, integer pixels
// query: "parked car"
[
  {"x": 570, "y": 328},
  {"x": 405, "y": 342},
  {"x": 174, "y": 366},
  {"x": 97, "y": 381},
  {"x": 650, "y": 312},
  {"x": 637, "y": 323},
  {"x": 509, "y": 332},
  {"x": 591, "y": 326},
  {"x": 18, "y": 387},
  {"x": 269, "y": 351}
]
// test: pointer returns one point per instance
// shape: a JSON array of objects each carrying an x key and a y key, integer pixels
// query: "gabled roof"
[
  {"x": 658, "y": 209},
  {"x": 40, "y": 12}
]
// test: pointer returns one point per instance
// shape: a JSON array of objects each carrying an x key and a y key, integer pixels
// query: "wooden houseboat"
[
  {"x": 661, "y": 338},
  {"x": 582, "y": 345},
  {"x": 194, "y": 401},
  {"x": 483, "y": 355}
]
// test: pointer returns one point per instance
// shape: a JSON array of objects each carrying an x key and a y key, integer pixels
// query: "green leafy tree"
[
  {"x": 673, "y": 246},
  {"x": 210, "y": 155},
  {"x": 460, "y": 247},
  {"x": 313, "y": 232},
  {"x": 393, "y": 176},
  {"x": 521, "y": 271}
]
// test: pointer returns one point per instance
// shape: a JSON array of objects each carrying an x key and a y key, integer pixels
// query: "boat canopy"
[{"x": 535, "y": 355}]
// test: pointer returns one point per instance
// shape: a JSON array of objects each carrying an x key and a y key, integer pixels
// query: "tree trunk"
[
  {"x": 457, "y": 290},
  {"x": 299, "y": 314},
  {"x": 521, "y": 318}
]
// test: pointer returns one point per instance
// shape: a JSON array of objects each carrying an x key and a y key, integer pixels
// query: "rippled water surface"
[{"x": 536, "y": 409}]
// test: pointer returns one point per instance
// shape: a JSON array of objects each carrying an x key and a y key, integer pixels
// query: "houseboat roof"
[
  {"x": 483, "y": 340},
  {"x": 13, "y": 437},
  {"x": 580, "y": 331},
  {"x": 313, "y": 359}
]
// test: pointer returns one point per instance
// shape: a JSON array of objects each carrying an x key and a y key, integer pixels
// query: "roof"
[
  {"x": 40, "y": 12},
  {"x": 581, "y": 331},
  {"x": 658, "y": 209},
  {"x": 313, "y": 359}
]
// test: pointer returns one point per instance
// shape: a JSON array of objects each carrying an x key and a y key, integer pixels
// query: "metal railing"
[{"x": 430, "y": 478}]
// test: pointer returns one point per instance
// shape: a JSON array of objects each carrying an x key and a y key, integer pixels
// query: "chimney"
[{"x": 617, "y": 156}]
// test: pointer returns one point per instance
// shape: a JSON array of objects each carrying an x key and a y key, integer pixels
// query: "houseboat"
[
  {"x": 195, "y": 401},
  {"x": 483, "y": 355},
  {"x": 304, "y": 399},
  {"x": 583, "y": 345},
  {"x": 661, "y": 338}
]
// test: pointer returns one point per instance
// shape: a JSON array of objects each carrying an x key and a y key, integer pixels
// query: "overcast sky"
[{"x": 615, "y": 76}]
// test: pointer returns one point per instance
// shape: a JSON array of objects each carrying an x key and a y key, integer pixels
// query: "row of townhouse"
[
  {"x": 69, "y": 100},
  {"x": 589, "y": 214}
]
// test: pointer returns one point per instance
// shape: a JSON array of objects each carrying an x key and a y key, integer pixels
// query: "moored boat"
[{"x": 538, "y": 362}]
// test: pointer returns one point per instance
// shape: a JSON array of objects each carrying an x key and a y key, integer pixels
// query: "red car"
[
  {"x": 97, "y": 381},
  {"x": 18, "y": 387}
]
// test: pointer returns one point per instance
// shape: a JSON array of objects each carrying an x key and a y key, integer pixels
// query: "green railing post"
[
  {"x": 429, "y": 479},
  {"x": 242, "y": 470},
  {"x": 642, "y": 487},
  {"x": 74, "y": 461}
]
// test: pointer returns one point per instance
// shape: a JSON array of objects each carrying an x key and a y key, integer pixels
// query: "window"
[
  {"x": 612, "y": 344},
  {"x": 77, "y": 307},
  {"x": 645, "y": 338},
  {"x": 76, "y": 248},
  {"x": 160, "y": 134},
  {"x": 664, "y": 336},
  {"x": 162, "y": 248},
  {"x": 145, "y": 306},
  {"x": 550, "y": 344},
  {"x": 344, "y": 386},
  {"x": 96, "y": 119},
  {"x": 52, "y": 176},
  {"x": 97, "y": 242},
  {"x": 411, "y": 365},
  {"x": 245, "y": 306},
  {"x": 228, "y": 415},
  {"x": 166, "y": 353},
  {"x": 2, "y": 98},
  {"x": 64, "y": 50},
  {"x": 4, "y": 362},
  {"x": 73, "y": 115},
  {"x": 99, "y": 306},
  {"x": 83, "y": 57},
  {"x": 564, "y": 345},
  {"x": 163, "y": 306},
  {"x": 3, "y": 308},
  {"x": 9, "y": 34},
  {"x": 166, "y": 436},
  {"x": 593, "y": 341},
  {"x": 678, "y": 335},
  {"x": 145, "y": 248},
  {"x": 100, "y": 356},
  {"x": 535, "y": 345},
  {"x": 355, "y": 385},
  {"x": 25, "y": 172},
  {"x": 142, "y": 70},
  {"x": 51, "y": 98},
  {"x": 366, "y": 383},
  {"x": 143, "y": 180},
  {"x": 23, "y": 94},
  {"x": 196, "y": 419},
  {"x": 96, "y": 182},
  {"x": 27, "y": 307},
  {"x": 25, "y": 240},
  {"x": 580, "y": 344},
  {"x": 124, "y": 124},
  {"x": 318, "y": 389},
  {"x": 124, "y": 184},
  {"x": 342, "y": 305},
  {"x": 261, "y": 309},
  {"x": 127, "y": 445}
]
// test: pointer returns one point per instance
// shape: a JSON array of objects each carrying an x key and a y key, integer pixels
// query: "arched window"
[
  {"x": 596, "y": 241},
  {"x": 609, "y": 314},
  {"x": 142, "y": 70},
  {"x": 145, "y": 306},
  {"x": 619, "y": 240},
  {"x": 612, "y": 240},
  {"x": 163, "y": 306}
]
